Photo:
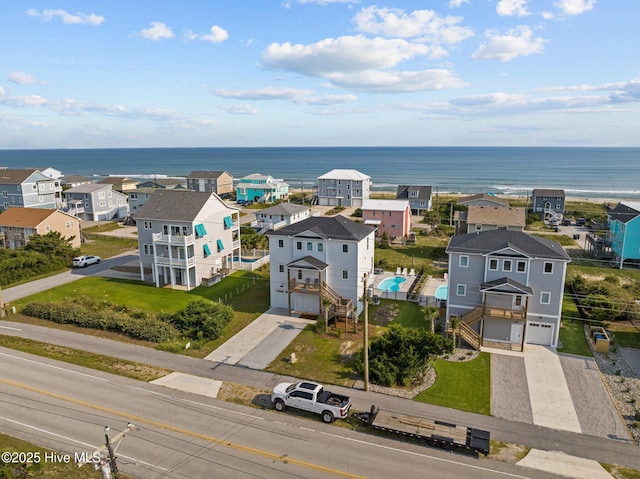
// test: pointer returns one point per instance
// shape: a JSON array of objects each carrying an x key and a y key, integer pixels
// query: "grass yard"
[
  {"x": 422, "y": 254},
  {"x": 107, "y": 246},
  {"x": 461, "y": 385},
  {"x": 626, "y": 338},
  {"x": 403, "y": 313},
  {"x": 573, "y": 339}
]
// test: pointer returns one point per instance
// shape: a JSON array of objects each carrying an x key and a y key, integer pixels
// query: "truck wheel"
[
  {"x": 327, "y": 417},
  {"x": 279, "y": 405}
]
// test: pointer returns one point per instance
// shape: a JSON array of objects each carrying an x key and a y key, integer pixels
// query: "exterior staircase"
[
  {"x": 466, "y": 332},
  {"x": 342, "y": 306}
]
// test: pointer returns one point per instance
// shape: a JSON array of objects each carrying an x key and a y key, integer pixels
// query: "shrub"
[{"x": 201, "y": 319}]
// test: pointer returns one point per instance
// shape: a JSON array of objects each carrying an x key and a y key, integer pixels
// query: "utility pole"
[
  {"x": 1, "y": 304},
  {"x": 112, "y": 456},
  {"x": 108, "y": 468},
  {"x": 366, "y": 335}
]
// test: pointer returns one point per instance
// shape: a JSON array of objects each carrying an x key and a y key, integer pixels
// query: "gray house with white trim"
[
  {"x": 506, "y": 286},
  {"x": 95, "y": 202},
  {"x": 28, "y": 189}
]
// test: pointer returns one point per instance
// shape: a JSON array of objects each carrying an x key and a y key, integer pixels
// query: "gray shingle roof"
[
  {"x": 546, "y": 192},
  {"x": 505, "y": 285},
  {"x": 494, "y": 240},
  {"x": 624, "y": 212},
  {"x": 284, "y": 209},
  {"x": 176, "y": 205},
  {"x": 424, "y": 192},
  {"x": 15, "y": 177},
  {"x": 308, "y": 262},
  {"x": 205, "y": 174},
  {"x": 335, "y": 227}
]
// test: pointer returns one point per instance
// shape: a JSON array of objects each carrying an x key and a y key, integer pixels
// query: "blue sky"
[{"x": 84, "y": 74}]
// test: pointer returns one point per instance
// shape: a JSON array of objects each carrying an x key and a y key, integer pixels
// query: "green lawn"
[
  {"x": 573, "y": 339},
  {"x": 422, "y": 254},
  {"x": 462, "y": 385},
  {"x": 627, "y": 339}
]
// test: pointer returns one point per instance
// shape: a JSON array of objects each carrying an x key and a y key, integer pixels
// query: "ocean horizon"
[{"x": 582, "y": 172}]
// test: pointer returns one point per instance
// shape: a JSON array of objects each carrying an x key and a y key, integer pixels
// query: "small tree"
[
  {"x": 384, "y": 240},
  {"x": 431, "y": 314},
  {"x": 201, "y": 319}
]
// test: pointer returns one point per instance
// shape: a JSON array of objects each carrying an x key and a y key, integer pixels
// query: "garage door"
[
  {"x": 305, "y": 303},
  {"x": 539, "y": 333}
]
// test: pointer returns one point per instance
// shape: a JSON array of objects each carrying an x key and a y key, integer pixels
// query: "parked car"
[
  {"x": 581, "y": 222},
  {"x": 566, "y": 222},
  {"x": 84, "y": 261}
]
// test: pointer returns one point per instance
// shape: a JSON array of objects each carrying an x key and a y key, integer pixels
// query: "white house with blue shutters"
[{"x": 187, "y": 238}]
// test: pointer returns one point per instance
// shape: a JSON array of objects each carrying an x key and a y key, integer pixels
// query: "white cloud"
[
  {"x": 22, "y": 78},
  {"x": 240, "y": 109},
  {"x": 518, "y": 42},
  {"x": 575, "y": 7},
  {"x": 268, "y": 93},
  {"x": 509, "y": 8},
  {"x": 343, "y": 54},
  {"x": 217, "y": 35},
  {"x": 457, "y": 3},
  {"x": 326, "y": 100},
  {"x": 1, "y": 91},
  {"x": 157, "y": 31},
  {"x": 67, "y": 18},
  {"x": 399, "y": 82},
  {"x": 424, "y": 24}
]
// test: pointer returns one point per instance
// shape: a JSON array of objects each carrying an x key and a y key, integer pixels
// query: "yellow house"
[{"x": 18, "y": 224}]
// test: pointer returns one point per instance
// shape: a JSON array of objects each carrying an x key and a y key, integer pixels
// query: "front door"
[{"x": 516, "y": 333}]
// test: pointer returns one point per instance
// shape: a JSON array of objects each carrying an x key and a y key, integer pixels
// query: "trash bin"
[{"x": 556, "y": 229}]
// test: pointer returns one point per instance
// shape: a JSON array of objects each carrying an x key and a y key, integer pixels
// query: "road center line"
[{"x": 221, "y": 442}]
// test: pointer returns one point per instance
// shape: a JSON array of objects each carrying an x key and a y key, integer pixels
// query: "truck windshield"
[{"x": 290, "y": 388}]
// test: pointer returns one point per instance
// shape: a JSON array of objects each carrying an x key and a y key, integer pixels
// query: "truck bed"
[
  {"x": 436, "y": 433},
  {"x": 327, "y": 397}
]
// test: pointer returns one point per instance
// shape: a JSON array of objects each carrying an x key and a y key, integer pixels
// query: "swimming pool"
[
  {"x": 442, "y": 292},
  {"x": 391, "y": 284}
]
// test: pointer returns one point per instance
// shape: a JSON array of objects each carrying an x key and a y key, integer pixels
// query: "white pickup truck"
[{"x": 311, "y": 397}]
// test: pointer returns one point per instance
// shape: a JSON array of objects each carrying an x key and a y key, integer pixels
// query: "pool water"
[
  {"x": 391, "y": 284},
  {"x": 442, "y": 292}
]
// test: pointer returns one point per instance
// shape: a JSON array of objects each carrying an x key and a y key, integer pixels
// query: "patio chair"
[
  {"x": 399, "y": 270},
  {"x": 412, "y": 272},
  {"x": 404, "y": 271}
]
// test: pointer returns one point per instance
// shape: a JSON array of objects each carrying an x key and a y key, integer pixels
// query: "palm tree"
[{"x": 431, "y": 314}]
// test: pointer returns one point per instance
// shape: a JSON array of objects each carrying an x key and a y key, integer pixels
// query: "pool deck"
[
  {"x": 404, "y": 287},
  {"x": 431, "y": 284}
]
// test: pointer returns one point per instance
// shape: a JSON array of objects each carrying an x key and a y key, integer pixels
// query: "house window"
[
  {"x": 299, "y": 274},
  {"x": 320, "y": 247},
  {"x": 461, "y": 290},
  {"x": 205, "y": 248},
  {"x": 522, "y": 266},
  {"x": 493, "y": 264},
  {"x": 281, "y": 268},
  {"x": 464, "y": 261},
  {"x": 506, "y": 265},
  {"x": 518, "y": 301},
  {"x": 101, "y": 195},
  {"x": 220, "y": 245},
  {"x": 348, "y": 186},
  {"x": 299, "y": 245},
  {"x": 147, "y": 225},
  {"x": 148, "y": 249},
  {"x": 5, "y": 194},
  {"x": 133, "y": 196},
  {"x": 345, "y": 274},
  {"x": 47, "y": 228},
  {"x": 548, "y": 267},
  {"x": 309, "y": 246},
  {"x": 545, "y": 297},
  {"x": 280, "y": 243},
  {"x": 478, "y": 227},
  {"x": 345, "y": 248}
]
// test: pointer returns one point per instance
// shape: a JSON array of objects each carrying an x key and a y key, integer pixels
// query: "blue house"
[
  {"x": 624, "y": 231},
  {"x": 259, "y": 188}
]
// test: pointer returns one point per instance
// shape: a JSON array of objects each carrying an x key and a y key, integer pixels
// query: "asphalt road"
[
  {"x": 178, "y": 435},
  {"x": 581, "y": 445}
]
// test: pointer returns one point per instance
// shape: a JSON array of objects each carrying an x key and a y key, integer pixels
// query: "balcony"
[
  {"x": 165, "y": 260},
  {"x": 502, "y": 313},
  {"x": 304, "y": 287},
  {"x": 177, "y": 240}
]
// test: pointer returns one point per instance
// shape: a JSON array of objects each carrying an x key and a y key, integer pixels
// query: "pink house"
[{"x": 390, "y": 216}]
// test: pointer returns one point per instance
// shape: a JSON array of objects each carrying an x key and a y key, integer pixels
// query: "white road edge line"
[
  {"x": 448, "y": 461},
  {"x": 54, "y": 367},
  {"x": 12, "y": 329},
  {"x": 91, "y": 446}
]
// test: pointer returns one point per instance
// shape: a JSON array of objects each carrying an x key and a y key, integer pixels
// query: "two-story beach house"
[
  {"x": 506, "y": 286},
  {"x": 388, "y": 216},
  {"x": 419, "y": 197},
  {"x": 257, "y": 188},
  {"x": 279, "y": 216},
  {"x": 27, "y": 189},
  {"x": 549, "y": 204},
  {"x": 17, "y": 225},
  {"x": 624, "y": 231},
  {"x": 139, "y": 197},
  {"x": 95, "y": 202},
  {"x": 168, "y": 183},
  {"x": 218, "y": 182},
  {"x": 484, "y": 218},
  {"x": 343, "y": 188},
  {"x": 186, "y": 238},
  {"x": 121, "y": 184},
  {"x": 318, "y": 262}
]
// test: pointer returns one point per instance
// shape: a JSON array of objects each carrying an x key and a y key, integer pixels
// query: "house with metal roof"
[
  {"x": 392, "y": 217},
  {"x": 624, "y": 231},
  {"x": 321, "y": 262},
  {"x": 218, "y": 182},
  {"x": 28, "y": 188},
  {"x": 419, "y": 197},
  {"x": 340, "y": 187},
  {"x": 279, "y": 216},
  {"x": 186, "y": 238},
  {"x": 18, "y": 224},
  {"x": 506, "y": 287}
]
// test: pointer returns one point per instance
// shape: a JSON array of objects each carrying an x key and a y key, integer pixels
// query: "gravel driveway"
[{"x": 596, "y": 412}]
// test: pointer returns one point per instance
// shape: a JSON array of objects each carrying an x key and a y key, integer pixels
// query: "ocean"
[{"x": 581, "y": 172}]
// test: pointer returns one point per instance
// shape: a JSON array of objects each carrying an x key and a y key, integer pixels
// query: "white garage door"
[
  {"x": 539, "y": 333},
  {"x": 305, "y": 303}
]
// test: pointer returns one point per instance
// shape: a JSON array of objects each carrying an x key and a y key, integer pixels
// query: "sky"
[{"x": 261, "y": 73}]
